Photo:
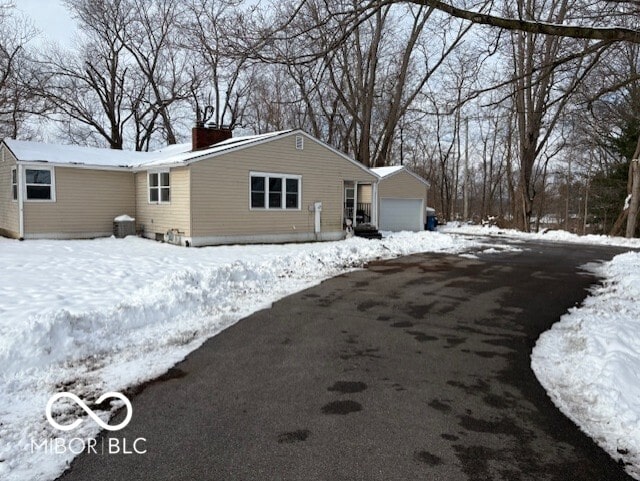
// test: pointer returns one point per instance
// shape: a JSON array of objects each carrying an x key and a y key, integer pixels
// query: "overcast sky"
[{"x": 50, "y": 17}]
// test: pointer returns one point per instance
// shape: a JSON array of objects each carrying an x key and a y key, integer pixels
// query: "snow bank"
[
  {"x": 589, "y": 362},
  {"x": 103, "y": 315},
  {"x": 547, "y": 235}
]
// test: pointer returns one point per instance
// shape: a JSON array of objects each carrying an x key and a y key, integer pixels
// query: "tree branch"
[{"x": 617, "y": 34}]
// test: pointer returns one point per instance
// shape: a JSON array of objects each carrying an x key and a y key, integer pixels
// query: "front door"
[{"x": 349, "y": 204}]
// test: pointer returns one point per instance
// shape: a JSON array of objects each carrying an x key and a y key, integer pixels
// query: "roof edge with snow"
[{"x": 390, "y": 171}]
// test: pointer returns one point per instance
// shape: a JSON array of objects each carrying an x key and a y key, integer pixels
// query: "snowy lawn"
[
  {"x": 589, "y": 362},
  {"x": 102, "y": 315},
  {"x": 560, "y": 236}
]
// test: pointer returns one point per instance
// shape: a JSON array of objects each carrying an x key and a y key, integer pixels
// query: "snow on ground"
[
  {"x": 589, "y": 362},
  {"x": 547, "y": 235},
  {"x": 102, "y": 315},
  {"x": 94, "y": 316}
]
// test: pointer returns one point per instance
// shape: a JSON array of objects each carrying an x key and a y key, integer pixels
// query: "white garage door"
[{"x": 401, "y": 214}]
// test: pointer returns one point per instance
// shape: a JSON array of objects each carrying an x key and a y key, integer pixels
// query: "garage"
[
  {"x": 401, "y": 214},
  {"x": 402, "y": 198}
]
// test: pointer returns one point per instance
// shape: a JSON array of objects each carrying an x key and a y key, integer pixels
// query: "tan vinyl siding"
[
  {"x": 9, "y": 220},
  {"x": 402, "y": 185},
  {"x": 86, "y": 203},
  {"x": 220, "y": 189},
  {"x": 365, "y": 194},
  {"x": 161, "y": 218}
]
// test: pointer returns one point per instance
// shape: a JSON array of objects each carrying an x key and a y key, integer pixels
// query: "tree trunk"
[{"x": 634, "y": 204}]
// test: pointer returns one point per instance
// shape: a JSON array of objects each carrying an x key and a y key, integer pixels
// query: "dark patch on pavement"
[
  {"x": 440, "y": 406},
  {"x": 499, "y": 402},
  {"x": 421, "y": 336},
  {"x": 370, "y": 353},
  {"x": 499, "y": 342},
  {"x": 427, "y": 458},
  {"x": 487, "y": 354},
  {"x": 475, "y": 461},
  {"x": 347, "y": 387},
  {"x": 450, "y": 437},
  {"x": 476, "y": 388},
  {"x": 503, "y": 425},
  {"x": 419, "y": 311},
  {"x": 365, "y": 306},
  {"x": 341, "y": 407},
  {"x": 293, "y": 436},
  {"x": 402, "y": 324},
  {"x": 455, "y": 341}
]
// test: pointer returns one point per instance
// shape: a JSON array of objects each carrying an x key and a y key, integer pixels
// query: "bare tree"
[
  {"x": 222, "y": 73},
  {"x": 151, "y": 37},
  {"x": 529, "y": 23},
  {"x": 18, "y": 96},
  {"x": 89, "y": 87}
]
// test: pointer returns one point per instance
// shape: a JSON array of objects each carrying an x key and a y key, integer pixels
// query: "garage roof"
[{"x": 384, "y": 172}]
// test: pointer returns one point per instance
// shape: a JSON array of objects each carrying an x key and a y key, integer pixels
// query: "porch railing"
[{"x": 363, "y": 212}]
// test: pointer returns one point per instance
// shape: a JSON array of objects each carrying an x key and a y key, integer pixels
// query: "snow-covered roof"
[
  {"x": 390, "y": 170},
  {"x": 27, "y": 151},
  {"x": 162, "y": 158},
  {"x": 385, "y": 171}
]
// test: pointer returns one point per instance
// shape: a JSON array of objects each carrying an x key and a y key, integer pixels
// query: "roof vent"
[{"x": 299, "y": 142}]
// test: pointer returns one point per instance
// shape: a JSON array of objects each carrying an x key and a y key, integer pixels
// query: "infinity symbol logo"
[{"x": 86, "y": 408}]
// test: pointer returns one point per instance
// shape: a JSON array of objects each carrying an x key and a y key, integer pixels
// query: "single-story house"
[
  {"x": 277, "y": 187},
  {"x": 401, "y": 199}
]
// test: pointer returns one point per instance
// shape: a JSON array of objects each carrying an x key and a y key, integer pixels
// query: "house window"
[
  {"x": 39, "y": 184},
  {"x": 275, "y": 191},
  {"x": 258, "y": 191},
  {"x": 159, "y": 187},
  {"x": 293, "y": 187},
  {"x": 14, "y": 183}
]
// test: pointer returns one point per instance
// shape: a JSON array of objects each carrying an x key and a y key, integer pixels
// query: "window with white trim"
[
  {"x": 39, "y": 184},
  {"x": 159, "y": 187},
  {"x": 275, "y": 191},
  {"x": 14, "y": 183}
]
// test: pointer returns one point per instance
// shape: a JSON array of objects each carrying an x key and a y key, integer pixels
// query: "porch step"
[{"x": 367, "y": 231}]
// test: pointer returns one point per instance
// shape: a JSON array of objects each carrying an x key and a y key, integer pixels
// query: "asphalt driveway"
[{"x": 415, "y": 368}]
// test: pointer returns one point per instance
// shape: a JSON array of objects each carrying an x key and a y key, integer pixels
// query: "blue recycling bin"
[{"x": 432, "y": 220}]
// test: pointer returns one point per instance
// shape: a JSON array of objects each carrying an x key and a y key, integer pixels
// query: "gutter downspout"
[
  {"x": 374, "y": 204},
  {"x": 355, "y": 202},
  {"x": 20, "y": 174}
]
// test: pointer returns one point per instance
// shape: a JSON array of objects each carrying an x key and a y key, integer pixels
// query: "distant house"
[
  {"x": 402, "y": 199},
  {"x": 278, "y": 187}
]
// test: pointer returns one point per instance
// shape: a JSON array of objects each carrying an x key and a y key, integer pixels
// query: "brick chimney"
[{"x": 203, "y": 136}]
